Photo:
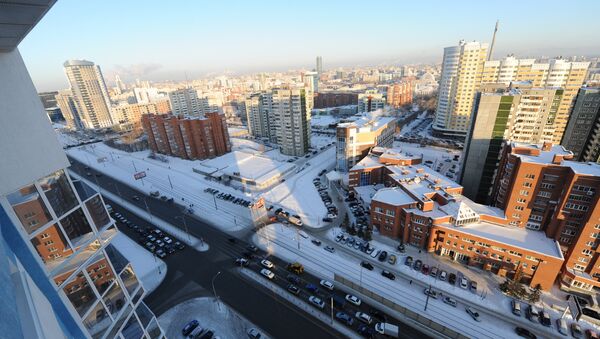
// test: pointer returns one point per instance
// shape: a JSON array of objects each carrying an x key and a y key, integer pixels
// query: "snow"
[
  {"x": 318, "y": 141},
  {"x": 284, "y": 242},
  {"x": 149, "y": 269},
  {"x": 515, "y": 236},
  {"x": 393, "y": 196},
  {"x": 323, "y": 121},
  {"x": 212, "y": 314}
]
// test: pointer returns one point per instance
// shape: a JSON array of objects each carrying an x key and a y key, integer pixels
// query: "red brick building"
[
  {"x": 335, "y": 99},
  {"x": 400, "y": 94},
  {"x": 188, "y": 138}
]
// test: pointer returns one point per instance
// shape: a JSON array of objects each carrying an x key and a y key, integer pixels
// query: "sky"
[{"x": 172, "y": 40}]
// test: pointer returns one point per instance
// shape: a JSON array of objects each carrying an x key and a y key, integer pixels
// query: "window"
[
  {"x": 547, "y": 186},
  {"x": 59, "y": 193},
  {"x": 526, "y": 184},
  {"x": 519, "y": 208},
  {"x": 587, "y": 252},
  {"x": 544, "y": 194},
  {"x": 529, "y": 176},
  {"x": 521, "y": 201},
  {"x": 576, "y": 207},
  {"x": 29, "y": 208},
  {"x": 524, "y": 193}
]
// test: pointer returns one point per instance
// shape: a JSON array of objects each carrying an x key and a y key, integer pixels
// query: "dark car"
[
  {"x": 327, "y": 220},
  {"x": 293, "y": 289},
  {"x": 207, "y": 335},
  {"x": 375, "y": 313},
  {"x": 231, "y": 240},
  {"x": 189, "y": 327},
  {"x": 345, "y": 318},
  {"x": 312, "y": 288},
  {"x": 425, "y": 269},
  {"x": 382, "y": 256},
  {"x": 408, "y": 261},
  {"x": 388, "y": 275},
  {"x": 293, "y": 279},
  {"x": 366, "y": 331},
  {"x": 316, "y": 242},
  {"x": 401, "y": 248},
  {"x": 366, "y": 265},
  {"x": 418, "y": 265},
  {"x": 179, "y": 245},
  {"x": 252, "y": 248},
  {"x": 525, "y": 333},
  {"x": 452, "y": 278}
]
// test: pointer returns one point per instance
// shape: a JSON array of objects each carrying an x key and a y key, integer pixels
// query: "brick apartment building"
[
  {"x": 400, "y": 94},
  {"x": 187, "y": 137},
  {"x": 335, "y": 99},
  {"x": 544, "y": 222}
]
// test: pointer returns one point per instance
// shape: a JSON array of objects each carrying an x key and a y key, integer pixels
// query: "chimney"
[{"x": 547, "y": 146}]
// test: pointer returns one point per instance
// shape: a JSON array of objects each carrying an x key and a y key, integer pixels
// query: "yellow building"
[{"x": 130, "y": 115}]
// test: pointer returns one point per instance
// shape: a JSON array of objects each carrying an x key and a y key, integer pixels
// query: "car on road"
[
  {"x": 293, "y": 289},
  {"x": 449, "y": 301},
  {"x": 253, "y": 333},
  {"x": 473, "y": 313},
  {"x": 464, "y": 283},
  {"x": 366, "y": 265},
  {"x": 327, "y": 284},
  {"x": 576, "y": 330},
  {"x": 252, "y": 248},
  {"x": 316, "y": 242},
  {"x": 329, "y": 249},
  {"x": 266, "y": 263},
  {"x": 316, "y": 302},
  {"x": 242, "y": 262},
  {"x": 268, "y": 274},
  {"x": 433, "y": 294},
  {"x": 365, "y": 318},
  {"x": 353, "y": 299},
  {"x": 525, "y": 333},
  {"x": 312, "y": 288},
  {"x": 388, "y": 275},
  {"x": 295, "y": 267},
  {"x": 366, "y": 331},
  {"x": 345, "y": 318},
  {"x": 408, "y": 261},
  {"x": 293, "y": 279},
  {"x": 392, "y": 260},
  {"x": 189, "y": 327}
]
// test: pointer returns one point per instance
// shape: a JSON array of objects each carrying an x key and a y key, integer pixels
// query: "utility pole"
[
  {"x": 170, "y": 183},
  {"x": 427, "y": 300},
  {"x": 331, "y": 310}
]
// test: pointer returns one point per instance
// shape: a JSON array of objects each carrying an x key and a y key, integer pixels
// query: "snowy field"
[
  {"x": 323, "y": 121},
  {"x": 284, "y": 242},
  {"x": 318, "y": 141},
  {"x": 217, "y": 316}
]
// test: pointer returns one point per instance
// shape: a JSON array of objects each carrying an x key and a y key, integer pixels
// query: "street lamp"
[
  {"x": 214, "y": 290},
  {"x": 182, "y": 217}
]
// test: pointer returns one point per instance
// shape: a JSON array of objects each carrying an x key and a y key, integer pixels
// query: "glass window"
[
  {"x": 97, "y": 320},
  {"x": 95, "y": 207},
  {"x": 115, "y": 298},
  {"x": 116, "y": 258},
  {"x": 115, "y": 329},
  {"x": 154, "y": 330},
  {"x": 100, "y": 273},
  {"x": 52, "y": 246},
  {"x": 77, "y": 227},
  {"x": 132, "y": 329},
  {"x": 63, "y": 269},
  {"x": 138, "y": 295},
  {"x": 59, "y": 193},
  {"x": 129, "y": 279},
  {"x": 80, "y": 293},
  {"x": 108, "y": 234},
  {"x": 83, "y": 190},
  {"x": 29, "y": 208},
  {"x": 144, "y": 314}
]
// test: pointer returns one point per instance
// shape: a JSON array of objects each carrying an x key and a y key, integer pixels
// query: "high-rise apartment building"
[
  {"x": 89, "y": 93},
  {"x": 68, "y": 108},
  {"x": 461, "y": 77},
  {"x": 187, "y": 137},
  {"x": 258, "y": 113},
  {"x": 582, "y": 135},
  {"x": 291, "y": 117},
  {"x": 187, "y": 101},
  {"x": 311, "y": 81},
  {"x": 60, "y": 275},
  {"x": 355, "y": 139},
  {"x": 518, "y": 113},
  {"x": 319, "y": 65},
  {"x": 370, "y": 101},
  {"x": 559, "y": 73},
  {"x": 144, "y": 95},
  {"x": 400, "y": 94}
]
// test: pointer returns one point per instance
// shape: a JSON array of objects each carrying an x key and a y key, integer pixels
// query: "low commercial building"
[{"x": 186, "y": 137}]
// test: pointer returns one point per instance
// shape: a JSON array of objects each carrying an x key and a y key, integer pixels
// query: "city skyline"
[{"x": 134, "y": 49}]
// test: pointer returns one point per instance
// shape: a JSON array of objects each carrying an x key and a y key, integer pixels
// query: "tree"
[
  {"x": 361, "y": 233},
  {"x": 352, "y": 230},
  {"x": 368, "y": 234},
  {"x": 536, "y": 294},
  {"x": 346, "y": 221}
]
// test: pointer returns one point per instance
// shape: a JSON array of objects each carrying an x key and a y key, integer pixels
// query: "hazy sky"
[{"x": 159, "y": 40}]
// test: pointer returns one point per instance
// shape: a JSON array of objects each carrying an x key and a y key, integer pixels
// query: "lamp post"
[
  {"x": 182, "y": 217},
  {"x": 214, "y": 290}
]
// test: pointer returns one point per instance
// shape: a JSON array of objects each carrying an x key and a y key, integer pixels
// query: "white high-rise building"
[
  {"x": 371, "y": 100},
  {"x": 291, "y": 118},
  {"x": 258, "y": 112},
  {"x": 68, "y": 108},
  {"x": 188, "y": 101},
  {"x": 90, "y": 93},
  {"x": 461, "y": 77}
]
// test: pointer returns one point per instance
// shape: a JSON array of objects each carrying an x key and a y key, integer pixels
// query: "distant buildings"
[
  {"x": 258, "y": 108},
  {"x": 355, "y": 139},
  {"x": 319, "y": 65},
  {"x": 400, "y": 94},
  {"x": 89, "y": 93},
  {"x": 582, "y": 135},
  {"x": 68, "y": 108},
  {"x": 370, "y": 101},
  {"x": 311, "y": 81},
  {"x": 129, "y": 116},
  {"x": 144, "y": 95},
  {"x": 335, "y": 99},
  {"x": 518, "y": 113},
  {"x": 187, "y": 101},
  {"x": 462, "y": 68},
  {"x": 187, "y": 137}
]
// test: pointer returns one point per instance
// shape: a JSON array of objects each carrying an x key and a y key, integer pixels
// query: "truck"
[
  {"x": 387, "y": 329},
  {"x": 295, "y": 220}
]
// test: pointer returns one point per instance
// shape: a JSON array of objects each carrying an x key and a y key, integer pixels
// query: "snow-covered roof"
[
  {"x": 583, "y": 168},
  {"x": 368, "y": 122},
  {"x": 366, "y": 193},
  {"x": 535, "y": 241},
  {"x": 544, "y": 157},
  {"x": 393, "y": 196},
  {"x": 367, "y": 162},
  {"x": 333, "y": 176}
]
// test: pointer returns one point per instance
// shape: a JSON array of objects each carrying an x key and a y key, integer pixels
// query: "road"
[{"x": 190, "y": 272}]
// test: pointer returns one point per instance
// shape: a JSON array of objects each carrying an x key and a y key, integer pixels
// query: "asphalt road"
[{"x": 193, "y": 276}]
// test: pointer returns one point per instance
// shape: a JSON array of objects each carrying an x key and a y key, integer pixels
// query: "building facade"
[
  {"x": 187, "y": 101},
  {"x": 462, "y": 68},
  {"x": 518, "y": 113},
  {"x": 335, "y": 99},
  {"x": 370, "y": 101},
  {"x": 188, "y": 138},
  {"x": 355, "y": 139},
  {"x": 90, "y": 94},
  {"x": 291, "y": 117},
  {"x": 258, "y": 107},
  {"x": 62, "y": 276},
  {"x": 582, "y": 135},
  {"x": 400, "y": 94},
  {"x": 68, "y": 108},
  {"x": 129, "y": 116}
]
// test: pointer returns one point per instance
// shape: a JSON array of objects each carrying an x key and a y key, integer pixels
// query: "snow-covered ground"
[
  {"x": 318, "y": 141},
  {"x": 149, "y": 269},
  {"x": 322, "y": 121},
  {"x": 217, "y": 316},
  {"x": 497, "y": 322}
]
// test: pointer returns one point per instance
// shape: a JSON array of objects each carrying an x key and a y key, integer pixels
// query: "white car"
[
  {"x": 464, "y": 283},
  {"x": 268, "y": 274},
  {"x": 353, "y": 299},
  {"x": 327, "y": 284},
  {"x": 317, "y": 302},
  {"x": 449, "y": 301},
  {"x": 363, "y": 317},
  {"x": 474, "y": 314},
  {"x": 266, "y": 263}
]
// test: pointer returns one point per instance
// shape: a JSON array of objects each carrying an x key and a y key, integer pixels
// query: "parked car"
[
  {"x": 364, "y": 317},
  {"x": 316, "y": 242},
  {"x": 533, "y": 314},
  {"x": 443, "y": 275},
  {"x": 576, "y": 330},
  {"x": 345, "y": 318},
  {"x": 545, "y": 319},
  {"x": 327, "y": 284},
  {"x": 473, "y": 286},
  {"x": 266, "y": 263},
  {"x": 452, "y": 278},
  {"x": 366, "y": 265},
  {"x": 392, "y": 260},
  {"x": 449, "y": 301},
  {"x": 316, "y": 302},
  {"x": 425, "y": 269},
  {"x": 388, "y": 275},
  {"x": 464, "y": 283},
  {"x": 189, "y": 327},
  {"x": 561, "y": 325},
  {"x": 268, "y": 274},
  {"x": 516, "y": 307},
  {"x": 253, "y": 333},
  {"x": 408, "y": 261},
  {"x": 418, "y": 265},
  {"x": 525, "y": 333},
  {"x": 353, "y": 299},
  {"x": 434, "y": 272},
  {"x": 473, "y": 313}
]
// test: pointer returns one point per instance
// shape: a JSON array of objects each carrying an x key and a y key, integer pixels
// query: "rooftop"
[
  {"x": 538, "y": 155},
  {"x": 368, "y": 122},
  {"x": 393, "y": 196}
]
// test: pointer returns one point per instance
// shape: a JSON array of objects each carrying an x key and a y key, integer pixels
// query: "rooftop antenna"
[{"x": 493, "y": 40}]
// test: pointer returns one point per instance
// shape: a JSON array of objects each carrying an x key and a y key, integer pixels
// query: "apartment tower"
[
  {"x": 291, "y": 111},
  {"x": 582, "y": 135}
]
